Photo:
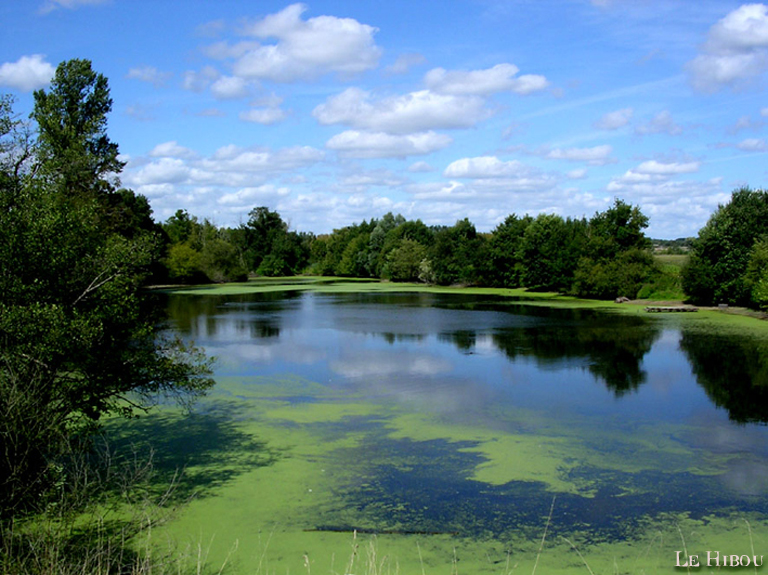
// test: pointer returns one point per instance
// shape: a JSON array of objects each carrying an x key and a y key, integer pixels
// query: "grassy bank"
[{"x": 731, "y": 318}]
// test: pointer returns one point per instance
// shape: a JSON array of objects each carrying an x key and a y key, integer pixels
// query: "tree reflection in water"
[{"x": 732, "y": 370}]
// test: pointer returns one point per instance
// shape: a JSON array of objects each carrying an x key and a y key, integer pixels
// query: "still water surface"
[{"x": 482, "y": 411}]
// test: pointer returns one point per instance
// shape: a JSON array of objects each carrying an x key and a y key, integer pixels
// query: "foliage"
[
  {"x": 717, "y": 269},
  {"x": 72, "y": 122},
  {"x": 756, "y": 276},
  {"x": 550, "y": 251},
  {"x": 505, "y": 256},
  {"x": 404, "y": 262},
  {"x": 77, "y": 338},
  {"x": 454, "y": 255},
  {"x": 623, "y": 275}
]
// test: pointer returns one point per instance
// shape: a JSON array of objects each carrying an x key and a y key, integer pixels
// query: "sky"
[{"x": 332, "y": 112}]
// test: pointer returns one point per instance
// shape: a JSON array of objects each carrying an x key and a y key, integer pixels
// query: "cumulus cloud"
[
  {"x": 661, "y": 123},
  {"x": 614, "y": 120},
  {"x": 27, "y": 73},
  {"x": 651, "y": 173},
  {"x": 674, "y": 207},
  {"x": 149, "y": 74},
  {"x": 579, "y": 174},
  {"x": 595, "y": 156},
  {"x": 199, "y": 81},
  {"x": 500, "y": 78},
  {"x": 492, "y": 177},
  {"x": 264, "y": 116},
  {"x": 361, "y": 144},
  {"x": 170, "y": 150},
  {"x": 735, "y": 50},
  {"x": 251, "y": 195},
  {"x": 228, "y": 167},
  {"x": 483, "y": 167},
  {"x": 667, "y": 168},
  {"x": 409, "y": 113},
  {"x": 752, "y": 145},
  {"x": 229, "y": 88},
  {"x": 306, "y": 49}
]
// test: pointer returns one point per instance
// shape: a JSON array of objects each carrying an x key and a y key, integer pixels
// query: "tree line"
[{"x": 605, "y": 256}]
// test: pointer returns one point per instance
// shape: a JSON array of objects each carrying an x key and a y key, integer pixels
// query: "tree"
[
  {"x": 404, "y": 262},
  {"x": 455, "y": 254},
  {"x": 616, "y": 259},
  {"x": 617, "y": 229},
  {"x": 550, "y": 251},
  {"x": 716, "y": 272},
  {"x": 264, "y": 227},
  {"x": 72, "y": 124},
  {"x": 505, "y": 257},
  {"x": 77, "y": 338}
]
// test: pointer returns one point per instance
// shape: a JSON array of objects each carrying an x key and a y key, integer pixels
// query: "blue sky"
[{"x": 332, "y": 112}]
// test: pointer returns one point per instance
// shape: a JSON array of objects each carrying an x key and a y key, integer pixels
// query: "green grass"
[{"x": 667, "y": 285}]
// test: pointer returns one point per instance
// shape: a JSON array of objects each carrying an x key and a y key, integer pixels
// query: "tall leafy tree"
[
  {"x": 72, "y": 122},
  {"x": 505, "y": 265},
  {"x": 717, "y": 270},
  {"x": 77, "y": 340}
]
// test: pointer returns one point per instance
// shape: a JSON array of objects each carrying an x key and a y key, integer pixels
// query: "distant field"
[{"x": 677, "y": 261}]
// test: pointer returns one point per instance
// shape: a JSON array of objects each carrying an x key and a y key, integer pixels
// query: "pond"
[{"x": 441, "y": 433}]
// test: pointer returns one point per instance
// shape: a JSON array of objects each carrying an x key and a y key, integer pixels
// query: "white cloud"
[
  {"x": 674, "y": 207},
  {"x": 414, "y": 112},
  {"x": 651, "y": 175},
  {"x": 149, "y": 74},
  {"x": 251, "y": 195},
  {"x": 752, "y": 145},
  {"x": 595, "y": 156},
  {"x": 662, "y": 123},
  {"x": 500, "y": 78},
  {"x": 265, "y": 116},
  {"x": 229, "y": 88},
  {"x": 579, "y": 174},
  {"x": 484, "y": 167},
  {"x": 357, "y": 144},
  {"x": 171, "y": 149},
  {"x": 361, "y": 181},
  {"x": 306, "y": 49},
  {"x": 614, "y": 120},
  {"x": 27, "y": 73},
  {"x": 199, "y": 81},
  {"x": 162, "y": 171},
  {"x": 229, "y": 167},
  {"x": 665, "y": 169},
  {"x": 735, "y": 50}
]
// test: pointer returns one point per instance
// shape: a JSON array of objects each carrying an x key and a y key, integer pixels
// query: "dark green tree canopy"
[
  {"x": 721, "y": 253},
  {"x": 72, "y": 122},
  {"x": 78, "y": 339}
]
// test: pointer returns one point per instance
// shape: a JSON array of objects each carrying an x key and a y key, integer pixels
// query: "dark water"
[{"x": 669, "y": 417}]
